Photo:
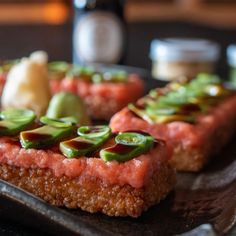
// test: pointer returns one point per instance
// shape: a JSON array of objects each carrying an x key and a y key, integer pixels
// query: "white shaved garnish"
[
  {"x": 27, "y": 85},
  {"x": 40, "y": 57}
]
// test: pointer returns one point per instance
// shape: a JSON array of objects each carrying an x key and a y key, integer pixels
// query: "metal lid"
[{"x": 181, "y": 49}]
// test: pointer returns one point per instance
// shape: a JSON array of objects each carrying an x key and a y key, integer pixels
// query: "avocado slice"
[
  {"x": 90, "y": 138},
  {"x": 128, "y": 145},
  {"x": 13, "y": 121},
  {"x": 80, "y": 146},
  {"x": 47, "y": 135},
  {"x": 66, "y": 104}
]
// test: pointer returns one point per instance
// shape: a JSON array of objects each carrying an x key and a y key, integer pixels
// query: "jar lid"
[
  {"x": 231, "y": 54},
  {"x": 181, "y": 49}
]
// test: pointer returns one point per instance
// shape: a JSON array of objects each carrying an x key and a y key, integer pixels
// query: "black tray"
[{"x": 202, "y": 204}]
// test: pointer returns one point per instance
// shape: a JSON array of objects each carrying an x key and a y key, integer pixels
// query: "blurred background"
[{"x": 28, "y": 25}]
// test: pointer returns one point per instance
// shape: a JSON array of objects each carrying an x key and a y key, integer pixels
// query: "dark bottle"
[{"x": 99, "y": 31}]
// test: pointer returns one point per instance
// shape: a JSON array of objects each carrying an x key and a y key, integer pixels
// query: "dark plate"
[{"x": 202, "y": 204}]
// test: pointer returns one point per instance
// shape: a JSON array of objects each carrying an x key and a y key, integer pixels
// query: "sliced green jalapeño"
[
  {"x": 13, "y": 121},
  {"x": 155, "y": 117},
  {"x": 63, "y": 122},
  {"x": 84, "y": 72},
  {"x": 130, "y": 139},
  {"x": 128, "y": 145},
  {"x": 5, "y": 66},
  {"x": 91, "y": 137},
  {"x": 58, "y": 67},
  {"x": 52, "y": 132},
  {"x": 135, "y": 139},
  {"x": 94, "y": 131}
]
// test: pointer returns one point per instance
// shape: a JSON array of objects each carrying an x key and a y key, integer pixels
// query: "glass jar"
[
  {"x": 175, "y": 57},
  {"x": 231, "y": 58}
]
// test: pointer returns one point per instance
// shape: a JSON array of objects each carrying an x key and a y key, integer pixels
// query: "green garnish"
[
  {"x": 97, "y": 78},
  {"x": 155, "y": 118},
  {"x": 66, "y": 104},
  {"x": 176, "y": 98},
  {"x": 128, "y": 145},
  {"x": 94, "y": 131},
  {"x": 62, "y": 69},
  {"x": 131, "y": 139},
  {"x": 181, "y": 101},
  {"x": 110, "y": 76},
  {"x": 115, "y": 76},
  {"x": 162, "y": 110},
  {"x": 5, "y": 66},
  {"x": 13, "y": 121},
  {"x": 142, "y": 113},
  {"x": 135, "y": 139},
  {"x": 80, "y": 146},
  {"x": 204, "y": 78},
  {"x": 77, "y": 71},
  {"x": 58, "y": 123},
  {"x": 49, "y": 134},
  {"x": 91, "y": 137},
  {"x": 19, "y": 115},
  {"x": 58, "y": 67}
]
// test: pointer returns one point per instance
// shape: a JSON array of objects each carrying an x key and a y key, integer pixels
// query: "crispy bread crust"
[
  {"x": 91, "y": 194},
  {"x": 195, "y": 160}
]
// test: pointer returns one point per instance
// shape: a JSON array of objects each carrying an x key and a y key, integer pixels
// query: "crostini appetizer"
[
  {"x": 195, "y": 118},
  {"x": 104, "y": 93},
  {"x": 87, "y": 167}
]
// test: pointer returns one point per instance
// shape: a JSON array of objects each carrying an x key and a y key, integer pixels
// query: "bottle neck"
[{"x": 115, "y": 6}]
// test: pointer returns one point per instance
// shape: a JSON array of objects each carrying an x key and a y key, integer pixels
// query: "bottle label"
[{"x": 98, "y": 37}]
